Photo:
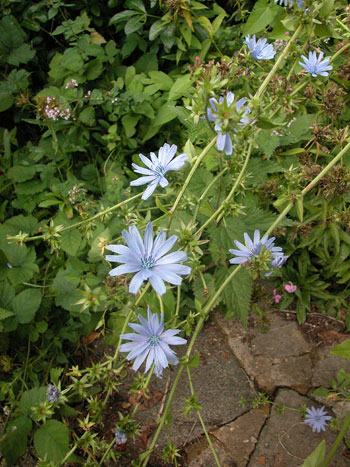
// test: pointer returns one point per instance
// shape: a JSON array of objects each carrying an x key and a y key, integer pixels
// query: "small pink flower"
[
  {"x": 276, "y": 297},
  {"x": 197, "y": 59},
  {"x": 290, "y": 288}
]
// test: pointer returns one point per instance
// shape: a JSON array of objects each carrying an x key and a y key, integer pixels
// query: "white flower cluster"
[
  {"x": 71, "y": 84},
  {"x": 54, "y": 112}
]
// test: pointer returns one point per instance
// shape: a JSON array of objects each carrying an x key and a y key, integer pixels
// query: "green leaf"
[
  {"x": 15, "y": 442},
  {"x": 342, "y": 350},
  {"x": 72, "y": 60},
  {"x": 136, "y": 5},
  {"x": 194, "y": 361},
  {"x": 94, "y": 69},
  {"x": 31, "y": 398},
  {"x": 237, "y": 293},
  {"x": 26, "y": 304},
  {"x": 71, "y": 241},
  {"x": 164, "y": 114},
  {"x": 118, "y": 17},
  {"x": 261, "y": 16},
  {"x": 87, "y": 116},
  {"x": 134, "y": 24},
  {"x": 51, "y": 441},
  {"x": 22, "y": 54},
  {"x": 5, "y": 313},
  {"x": 21, "y": 173},
  {"x": 180, "y": 88},
  {"x": 316, "y": 458},
  {"x": 7, "y": 294},
  {"x": 66, "y": 281}
]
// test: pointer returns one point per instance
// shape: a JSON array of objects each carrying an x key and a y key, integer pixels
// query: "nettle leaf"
[
  {"x": 237, "y": 293},
  {"x": 7, "y": 294},
  {"x": 31, "y": 398},
  {"x": 71, "y": 241},
  {"x": 200, "y": 182},
  {"x": 23, "y": 263},
  {"x": 26, "y": 304},
  {"x": 21, "y": 173},
  {"x": 68, "y": 300},
  {"x": 51, "y": 441},
  {"x": 15, "y": 442}
]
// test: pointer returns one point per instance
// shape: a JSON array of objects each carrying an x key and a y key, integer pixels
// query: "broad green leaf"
[
  {"x": 7, "y": 294},
  {"x": 342, "y": 350},
  {"x": 72, "y": 60},
  {"x": 21, "y": 173},
  {"x": 15, "y": 442},
  {"x": 26, "y": 304},
  {"x": 134, "y": 24},
  {"x": 87, "y": 116},
  {"x": 316, "y": 458},
  {"x": 180, "y": 87},
  {"x": 262, "y": 15},
  {"x": 22, "y": 54},
  {"x": 5, "y": 313},
  {"x": 122, "y": 16},
  {"x": 31, "y": 398},
  {"x": 71, "y": 241},
  {"x": 66, "y": 281},
  {"x": 164, "y": 114},
  {"x": 94, "y": 69},
  {"x": 237, "y": 293},
  {"x": 51, "y": 441}
]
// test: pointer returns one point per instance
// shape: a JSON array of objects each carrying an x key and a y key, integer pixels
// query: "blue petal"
[{"x": 158, "y": 284}]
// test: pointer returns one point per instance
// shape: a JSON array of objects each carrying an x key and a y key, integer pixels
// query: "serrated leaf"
[
  {"x": 22, "y": 54},
  {"x": 262, "y": 15},
  {"x": 66, "y": 281},
  {"x": 5, "y": 313},
  {"x": 26, "y": 304},
  {"x": 237, "y": 293},
  {"x": 51, "y": 441},
  {"x": 71, "y": 241},
  {"x": 31, "y": 398},
  {"x": 21, "y": 173},
  {"x": 15, "y": 442}
]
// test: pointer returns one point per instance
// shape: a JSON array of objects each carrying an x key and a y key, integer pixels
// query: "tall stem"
[
  {"x": 277, "y": 64},
  {"x": 229, "y": 196},
  {"x": 342, "y": 433},
  {"x": 189, "y": 177}
]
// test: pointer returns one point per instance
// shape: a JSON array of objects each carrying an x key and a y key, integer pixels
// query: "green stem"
[
  {"x": 340, "y": 51},
  {"x": 342, "y": 433},
  {"x": 206, "y": 191},
  {"x": 326, "y": 169},
  {"x": 178, "y": 300},
  {"x": 96, "y": 216},
  {"x": 277, "y": 64},
  {"x": 229, "y": 196},
  {"x": 202, "y": 421},
  {"x": 189, "y": 177},
  {"x": 160, "y": 304},
  {"x": 297, "y": 60},
  {"x": 299, "y": 88}
]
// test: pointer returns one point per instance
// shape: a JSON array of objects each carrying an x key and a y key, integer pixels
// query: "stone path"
[{"x": 236, "y": 362}]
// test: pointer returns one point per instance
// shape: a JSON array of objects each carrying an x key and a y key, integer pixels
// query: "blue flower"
[
  {"x": 53, "y": 393},
  {"x": 278, "y": 262},
  {"x": 224, "y": 142},
  {"x": 150, "y": 341},
  {"x": 147, "y": 259},
  {"x": 260, "y": 50},
  {"x": 120, "y": 437},
  {"x": 317, "y": 419},
  {"x": 315, "y": 65},
  {"x": 157, "y": 168},
  {"x": 252, "y": 248},
  {"x": 300, "y": 3}
]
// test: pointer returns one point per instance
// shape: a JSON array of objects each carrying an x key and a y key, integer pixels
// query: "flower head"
[
  {"x": 276, "y": 297},
  {"x": 290, "y": 288},
  {"x": 317, "y": 419},
  {"x": 146, "y": 258},
  {"x": 53, "y": 393},
  {"x": 224, "y": 142},
  {"x": 157, "y": 168},
  {"x": 150, "y": 341},
  {"x": 315, "y": 65},
  {"x": 252, "y": 248},
  {"x": 120, "y": 437},
  {"x": 259, "y": 49}
]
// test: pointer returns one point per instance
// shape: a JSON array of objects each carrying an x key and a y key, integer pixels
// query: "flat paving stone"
[
  {"x": 286, "y": 441},
  {"x": 233, "y": 443},
  {"x": 326, "y": 365},
  {"x": 281, "y": 356},
  {"x": 219, "y": 383}
]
